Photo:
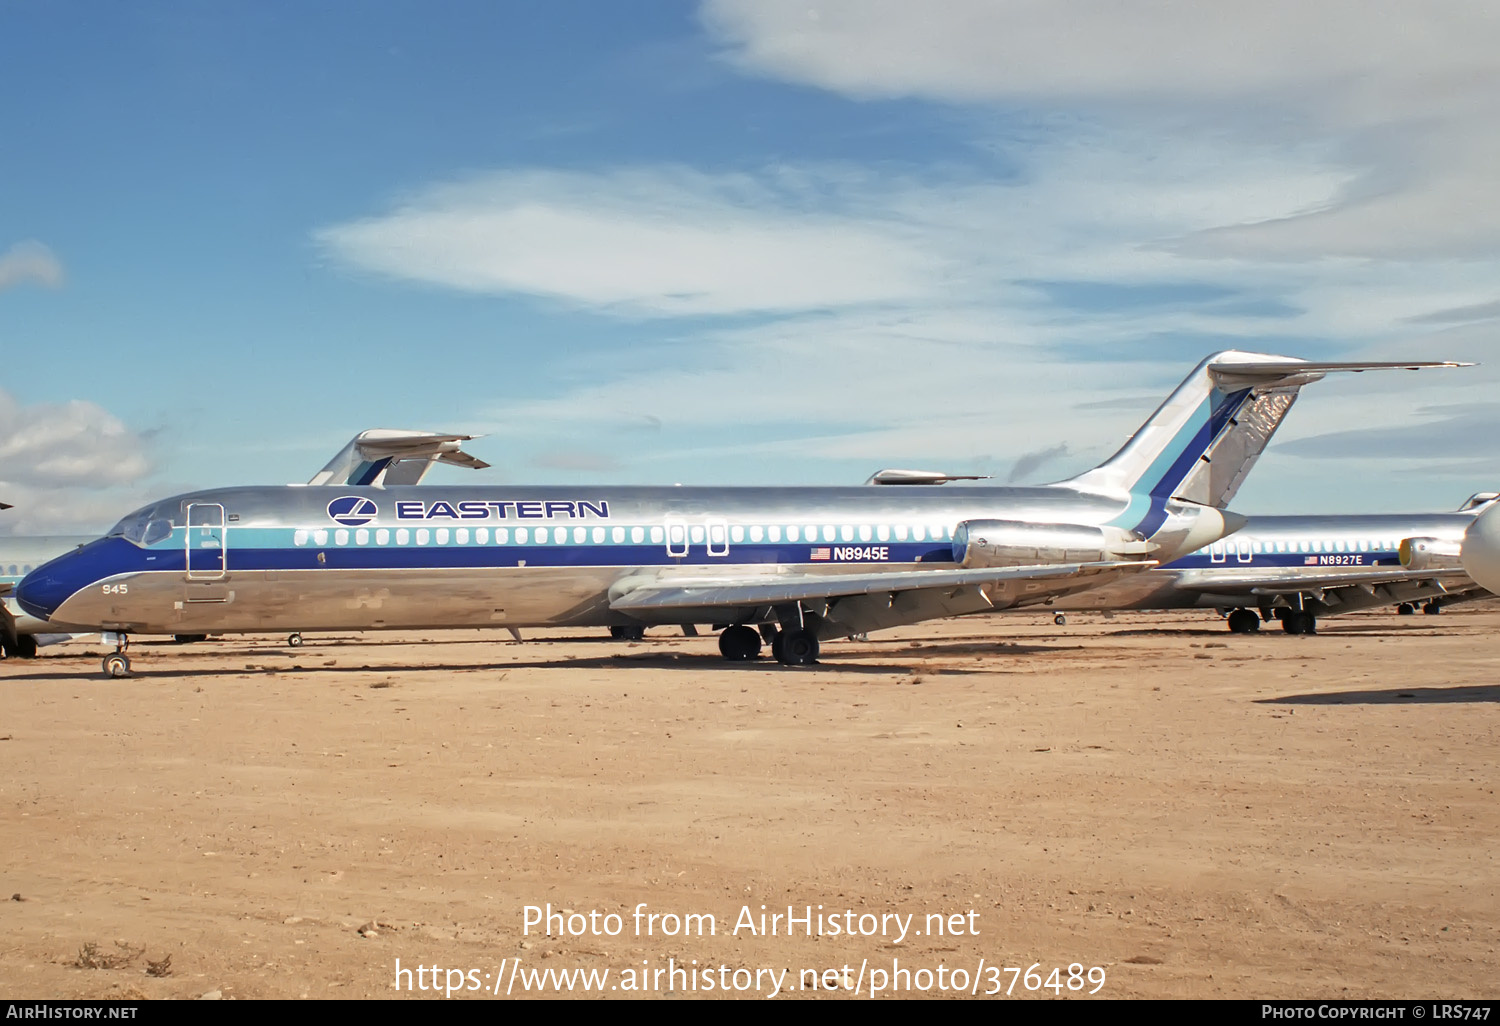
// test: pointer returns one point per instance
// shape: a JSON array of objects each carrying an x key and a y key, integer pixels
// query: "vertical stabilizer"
[{"x": 1199, "y": 445}]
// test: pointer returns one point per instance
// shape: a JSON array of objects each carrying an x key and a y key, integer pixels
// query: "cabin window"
[
  {"x": 696, "y": 533},
  {"x": 757, "y": 533},
  {"x": 423, "y": 536},
  {"x": 560, "y": 535},
  {"x": 382, "y": 537},
  {"x": 461, "y": 535},
  {"x": 442, "y": 536},
  {"x": 637, "y": 534},
  {"x": 658, "y": 535},
  {"x": 362, "y": 537},
  {"x": 736, "y": 534},
  {"x": 773, "y": 533},
  {"x": 900, "y": 532},
  {"x": 882, "y": 533},
  {"x": 917, "y": 533},
  {"x": 403, "y": 536},
  {"x": 523, "y": 535},
  {"x": 791, "y": 533},
  {"x": 341, "y": 537},
  {"x": 481, "y": 536},
  {"x": 580, "y": 534},
  {"x": 502, "y": 536},
  {"x": 716, "y": 533},
  {"x": 299, "y": 538},
  {"x": 320, "y": 537},
  {"x": 617, "y": 535}
]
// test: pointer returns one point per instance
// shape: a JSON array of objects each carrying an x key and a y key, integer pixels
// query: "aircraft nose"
[{"x": 42, "y": 591}]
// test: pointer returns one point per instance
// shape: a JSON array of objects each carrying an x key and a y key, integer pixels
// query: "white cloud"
[
  {"x": 29, "y": 261},
  {"x": 66, "y": 467},
  {"x": 654, "y": 241},
  {"x": 1405, "y": 97}
]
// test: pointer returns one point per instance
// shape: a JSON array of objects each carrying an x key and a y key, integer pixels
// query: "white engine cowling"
[
  {"x": 1428, "y": 554},
  {"x": 987, "y": 543}
]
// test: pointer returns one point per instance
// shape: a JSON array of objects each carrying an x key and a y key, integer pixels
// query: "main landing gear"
[
  {"x": 739, "y": 643},
  {"x": 1299, "y": 621},
  {"x": 117, "y": 664},
  {"x": 629, "y": 632},
  {"x": 795, "y": 643},
  {"x": 1244, "y": 621}
]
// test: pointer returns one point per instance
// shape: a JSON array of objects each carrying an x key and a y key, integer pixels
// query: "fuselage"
[
  {"x": 1237, "y": 570},
  {"x": 289, "y": 558}
]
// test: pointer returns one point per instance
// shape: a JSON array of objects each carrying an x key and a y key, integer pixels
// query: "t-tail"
[
  {"x": 384, "y": 457},
  {"x": 1181, "y": 469}
]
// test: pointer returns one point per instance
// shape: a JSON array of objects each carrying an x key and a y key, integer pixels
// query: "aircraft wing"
[
  {"x": 859, "y": 602},
  {"x": 1265, "y": 583}
]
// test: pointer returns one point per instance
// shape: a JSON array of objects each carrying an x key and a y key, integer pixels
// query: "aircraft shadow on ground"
[
  {"x": 677, "y": 663},
  {"x": 1468, "y": 693}
]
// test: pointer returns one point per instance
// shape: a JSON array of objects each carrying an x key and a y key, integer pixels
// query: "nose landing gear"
[{"x": 117, "y": 664}]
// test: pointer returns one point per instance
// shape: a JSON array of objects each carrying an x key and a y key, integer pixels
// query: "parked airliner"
[
  {"x": 795, "y": 565},
  {"x": 1290, "y": 568},
  {"x": 1298, "y": 568}
]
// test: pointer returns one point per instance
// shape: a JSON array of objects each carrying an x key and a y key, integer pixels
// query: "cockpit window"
[{"x": 142, "y": 528}]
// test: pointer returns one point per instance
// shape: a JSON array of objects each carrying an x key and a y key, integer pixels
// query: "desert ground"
[{"x": 1193, "y": 813}]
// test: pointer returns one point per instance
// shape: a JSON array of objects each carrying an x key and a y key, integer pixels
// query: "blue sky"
[{"x": 754, "y": 241}]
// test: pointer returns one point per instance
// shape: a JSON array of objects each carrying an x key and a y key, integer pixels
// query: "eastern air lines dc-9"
[{"x": 792, "y": 566}]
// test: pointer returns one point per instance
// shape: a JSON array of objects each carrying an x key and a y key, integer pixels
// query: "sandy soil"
[{"x": 1196, "y": 813}]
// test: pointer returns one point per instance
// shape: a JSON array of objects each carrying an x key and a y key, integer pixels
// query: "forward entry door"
[{"x": 206, "y": 549}]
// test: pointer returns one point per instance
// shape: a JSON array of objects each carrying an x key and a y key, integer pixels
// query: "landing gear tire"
[
  {"x": 627, "y": 632},
  {"x": 1245, "y": 621},
  {"x": 294, "y": 640},
  {"x": 1432, "y": 609},
  {"x": 1299, "y": 621},
  {"x": 117, "y": 665},
  {"x": 189, "y": 639},
  {"x": 25, "y": 646},
  {"x": 1406, "y": 609},
  {"x": 799, "y": 647},
  {"x": 1061, "y": 619},
  {"x": 776, "y": 642},
  {"x": 739, "y": 644}
]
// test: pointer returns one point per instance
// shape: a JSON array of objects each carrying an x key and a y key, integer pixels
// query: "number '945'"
[{"x": 116, "y": 589}]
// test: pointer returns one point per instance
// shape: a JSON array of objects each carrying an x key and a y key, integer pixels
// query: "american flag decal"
[
  {"x": 822, "y": 553},
  {"x": 1310, "y": 561}
]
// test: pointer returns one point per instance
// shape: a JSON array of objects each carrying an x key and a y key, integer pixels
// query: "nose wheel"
[{"x": 117, "y": 664}]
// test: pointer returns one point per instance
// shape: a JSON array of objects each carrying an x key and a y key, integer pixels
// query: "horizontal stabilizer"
[
  {"x": 919, "y": 477},
  {"x": 1272, "y": 373}
]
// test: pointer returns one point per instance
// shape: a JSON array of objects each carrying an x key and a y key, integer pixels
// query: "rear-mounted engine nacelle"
[
  {"x": 986, "y": 543},
  {"x": 1428, "y": 553}
]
